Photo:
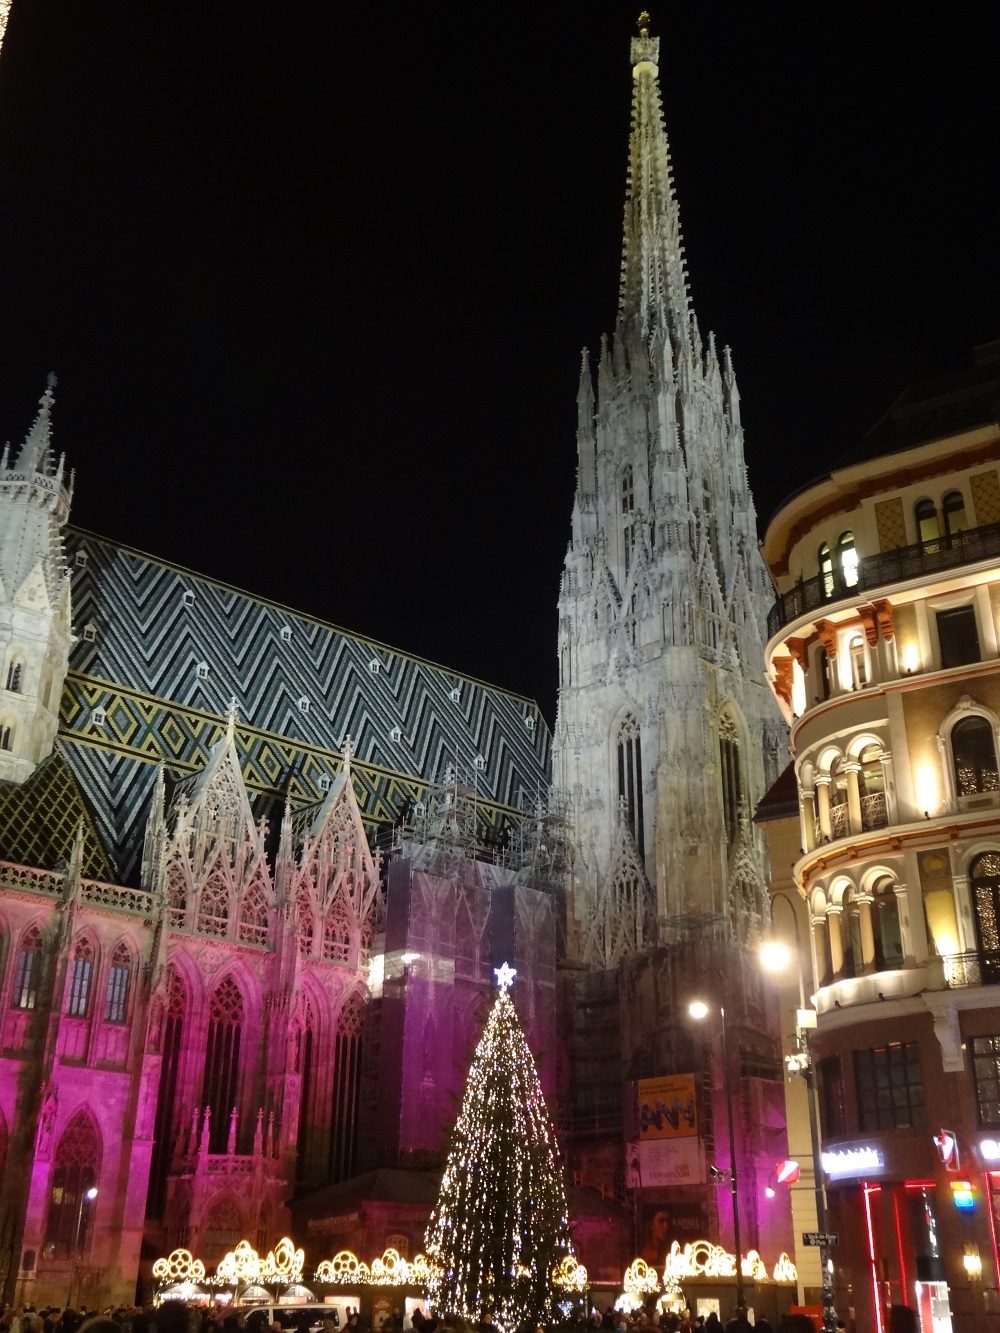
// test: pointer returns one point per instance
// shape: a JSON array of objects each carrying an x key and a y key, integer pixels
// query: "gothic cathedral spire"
[{"x": 666, "y": 736}]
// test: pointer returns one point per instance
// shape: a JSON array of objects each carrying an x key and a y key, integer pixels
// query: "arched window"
[
  {"x": 221, "y": 1085},
  {"x": 872, "y": 787},
  {"x": 346, "y": 1088},
  {"x": 213, "y": 908},
  {"x": 628, "y": 515},
  {"x": 15, "y": 676},
  {"x": 28, "y": 976},
  {"x": 953, "y": 509},
  {"x": 839, "y": 817},
  {"x": 732, "y": 776},
  {"x": 119, "y": 973},
  {"x": 6, "y": 736},
  {"x": 859, "y": 670},
  {"x": 73, "y": 1195},
  {"x": 337, "y": 939},
  {"x": 253, "y": 915},
  {"x": 925, "y": 516},
  {"x": 630, "y": 778},
  {"x": 826, "y": 570},
  {"x": 885, "y": 925},
  {"x": 854, "y": 962},
  {"x": 847, "y": 558},
  {"x": 80, "y": 978},
  {"x": 308, "y": 1160},
  {"x": 304, "y": 912},
  {"x": 984, "y": 881},
  {"x": 168, "y": 1041},
  {"x": 974, "y": 755}
]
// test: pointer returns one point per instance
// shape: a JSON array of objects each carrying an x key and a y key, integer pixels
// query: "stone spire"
[{"x": 654, "y": 294}]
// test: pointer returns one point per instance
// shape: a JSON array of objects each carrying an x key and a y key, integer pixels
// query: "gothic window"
[
  {"x": 220, "y": 1087},
  {"x": 309, "y": 1130},
  {"x": 176, "y": 896},
  {"x": 213, "y": 909},
  {"x": 953, "y": 509},
  {"x": 169, "y": 1046},
  {"x": 984, "y": 881},
  {"x": 847, "y": 557},
  {"x": 6, "y": 736},
  {"x": 630, "y": 778},
  {"x": 975, "y": 756},
  {"x": 304, "y": 912},
  {"x": 628, "y": 515},
  {"x": 826, "y": 570},
  {"x": 253, "y": 915},
  {"x": 925, "y": 516},
  {"x": 80, "y": 978},
  {"x": 28, "y": 975},
  {"x": 346, "y": 1088},
  {"x": 337, "y": 939},
  {"x": 15, "y": 676},
  {"x": 73, "y": 1193},
  {"x": 732, "y": 776},
  {"x": 119, "y": 974}
]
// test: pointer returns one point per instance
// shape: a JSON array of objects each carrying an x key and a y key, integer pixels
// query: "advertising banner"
[
  {"x": 667, "y": 1108},
  {"x": 656, "y": 1163}
]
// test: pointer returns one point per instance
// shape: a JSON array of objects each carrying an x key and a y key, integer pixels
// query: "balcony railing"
[
  {"x": 874, "y": 813},
  {"x": 972, "y": 969},
  {"x": 877, "y": 571}
]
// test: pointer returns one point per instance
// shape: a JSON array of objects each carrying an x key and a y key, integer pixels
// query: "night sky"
[{"x": 315, "y": 277}]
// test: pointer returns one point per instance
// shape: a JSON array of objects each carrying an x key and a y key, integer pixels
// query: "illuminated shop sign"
[
  {"x": 847, "y": 1163},
  {"x": 989, "y": 1150},
  {"x": 946, "y": 1143}
]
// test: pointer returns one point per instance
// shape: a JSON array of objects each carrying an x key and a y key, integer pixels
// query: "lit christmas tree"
[{"x": 499, "y": 1227}]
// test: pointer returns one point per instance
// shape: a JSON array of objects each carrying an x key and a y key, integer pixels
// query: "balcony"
[
  {"x": 972, "y": 969},
  {"x": 888, "y": 567}
]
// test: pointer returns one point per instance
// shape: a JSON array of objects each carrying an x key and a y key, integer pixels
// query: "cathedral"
[{"x": 256, "y": 871}]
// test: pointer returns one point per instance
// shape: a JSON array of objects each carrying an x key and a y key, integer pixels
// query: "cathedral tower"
[
  {"x": 666, "y": 736},
  {"x": 35, "y": 635}
]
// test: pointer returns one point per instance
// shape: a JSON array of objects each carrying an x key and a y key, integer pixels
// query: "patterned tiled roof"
[{"x": 161, "y": 651}]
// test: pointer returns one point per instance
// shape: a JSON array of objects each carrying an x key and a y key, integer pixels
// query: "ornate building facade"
[{"x": 883, "y": 654}]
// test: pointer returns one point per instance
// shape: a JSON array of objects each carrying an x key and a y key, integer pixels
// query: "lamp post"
[
  {"x": 699, "y": 1010},
  {"x": 86, "y": 1196},
  {"x": 776, "y": 957}
]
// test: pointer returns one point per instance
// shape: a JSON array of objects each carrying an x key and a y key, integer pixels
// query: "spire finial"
[
  {"x": 232, "y": 714},
  {"x": 348, "y": 751},
  {"x": 34, "y": 453},
  {"x": 642, "y": 23}
]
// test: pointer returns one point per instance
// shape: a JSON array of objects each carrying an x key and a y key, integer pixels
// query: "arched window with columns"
[
  {"x": 629, "y": 756},
  {"x": 119, "y": 976},
  {"x": 885, "y": 925},
  {"x": 974, "y": 756},
  {"x": 73, "y": 1192},
  {"x": 28, "y": 972},
  {"x": 871, "y": 783},
  {"x": 221, "y": 1084},
  {"x": 81, "y": 977}
]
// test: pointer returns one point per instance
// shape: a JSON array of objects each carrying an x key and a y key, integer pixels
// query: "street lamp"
[
  {"x": 699, "y": 1010},
  {"x": 776, "y": 957}
]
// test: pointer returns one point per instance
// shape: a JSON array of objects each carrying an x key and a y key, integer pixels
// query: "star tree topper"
[{"x": 505, "y": 975}]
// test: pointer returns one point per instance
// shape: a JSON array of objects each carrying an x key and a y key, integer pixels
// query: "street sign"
[{"x": 821, "y": 1238}]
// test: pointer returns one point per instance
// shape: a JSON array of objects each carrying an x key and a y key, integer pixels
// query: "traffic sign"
[{"x": 821, "y": 1238}]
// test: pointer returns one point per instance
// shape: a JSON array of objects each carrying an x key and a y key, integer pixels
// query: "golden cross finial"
[{"x": 643, "y": 23}]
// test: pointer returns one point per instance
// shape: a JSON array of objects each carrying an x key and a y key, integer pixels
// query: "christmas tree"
[{"x": 499, "y": 1227}]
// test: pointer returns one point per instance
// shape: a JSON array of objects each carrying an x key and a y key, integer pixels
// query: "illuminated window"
[
  {"x": 890, "y": 1087},
  {"x": 958, "y": 636},
  {"x": 984, "y": 882},
  {"x": 847, "y": 556},
  {"x": 859, "y": 672},
  {"x": 119, "y": 973},
  {"x": 925, "y": 516},
  {"x": 826, "y": 570},
  {"x": 953, "y": 508},
  {"x": 974, "y": 756},
  {"x": 80, "y": 978},
  {"x": 986, "y": 1076},
  {"x": 29, "y": 970}
]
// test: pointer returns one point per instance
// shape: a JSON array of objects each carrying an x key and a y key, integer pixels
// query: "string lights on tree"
[{"x": 498, "y": 1237}]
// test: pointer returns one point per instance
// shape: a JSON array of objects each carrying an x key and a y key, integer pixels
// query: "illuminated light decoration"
[
  {"x": 240, "y": 1267},
  {"x": 972, "y": 1263},
  {"x": 784, "y": 1270},
  {"x": 344, "y": 1269},
  {"x": 505, "y": 975},
  {"x": 179, "y": 1266},
  {"x": 391, "y": 1270},
  {"x": 570, "y": 1275},
  {"x": 284, "y": 1263},
  {"x": 640, "y": 1279},
  {"x": 946, "y": 1143},
  {"x": 963, "y": 1195},
  {"x": 989, "y": 1150},
  {"x": 700, "y": 1258},
  {"x": 841, "y": 1162},
  {"x": 500, "y": 1227},
  {"x": 990, "y": 1213},
  {"x": 4, "y": 18}
]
